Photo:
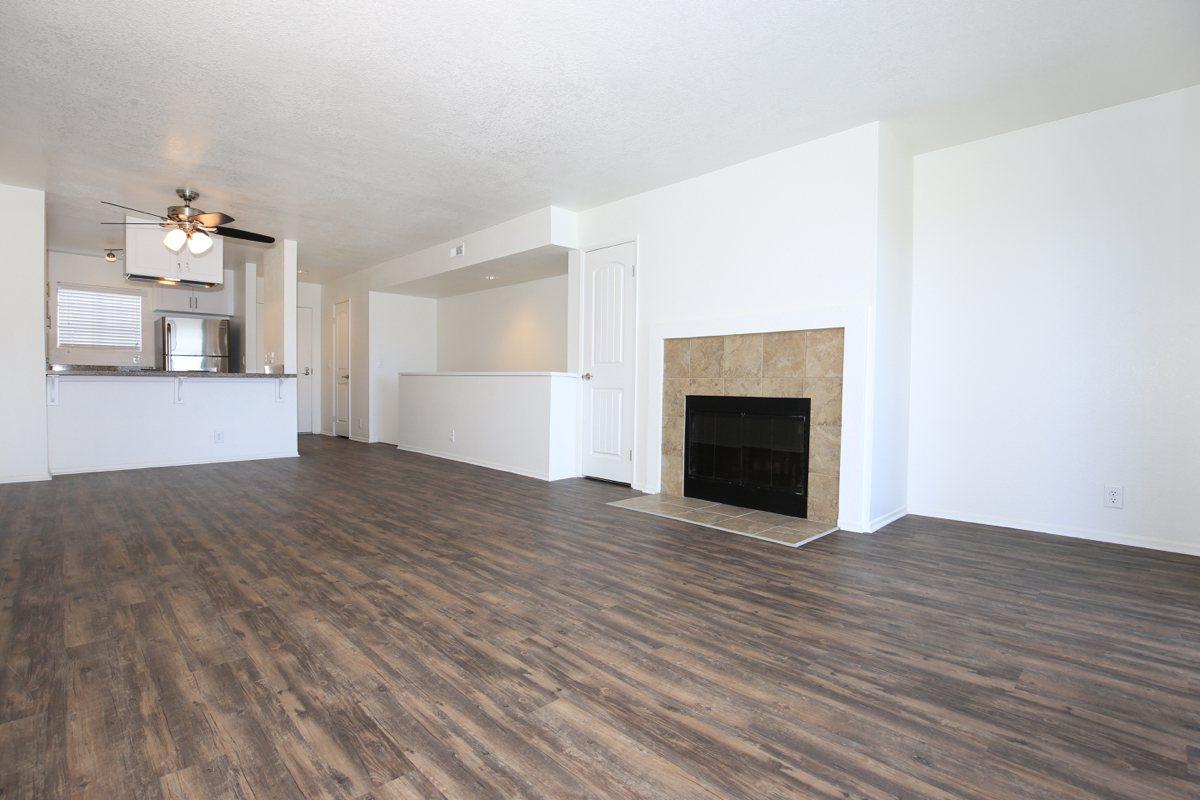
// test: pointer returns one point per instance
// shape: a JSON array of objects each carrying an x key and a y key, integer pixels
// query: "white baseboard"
[
  {"x": 884, "y": 520},
  {"x": 1151, "y": 543},
  {"x": 180, "y": 463},
  {"x": 29, "y": 478},
  {"x": 361, "y": 439},
  {"x": 478, "y": 462}
]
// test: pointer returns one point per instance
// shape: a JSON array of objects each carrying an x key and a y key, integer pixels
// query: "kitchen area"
[{"x": 157, "y": 357}]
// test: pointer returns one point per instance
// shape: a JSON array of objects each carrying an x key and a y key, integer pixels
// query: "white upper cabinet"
[
  {"x": 207, "y": 268},
  {"x": 146, "y": 256}
]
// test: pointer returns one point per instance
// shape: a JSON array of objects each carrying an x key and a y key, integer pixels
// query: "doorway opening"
[{"x": 341, "y": 369}]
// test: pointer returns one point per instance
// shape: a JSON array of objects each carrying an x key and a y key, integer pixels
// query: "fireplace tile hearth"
[{"x": 778, "y": 528}]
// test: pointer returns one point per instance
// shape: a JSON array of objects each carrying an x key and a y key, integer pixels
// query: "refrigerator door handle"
[{"x": 170, "y": 336}]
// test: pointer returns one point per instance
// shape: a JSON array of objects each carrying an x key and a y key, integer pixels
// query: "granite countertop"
[{"x": 158, "y": 373}]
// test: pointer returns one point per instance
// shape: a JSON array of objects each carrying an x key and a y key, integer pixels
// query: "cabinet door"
[
  {"x": 218, "y": 300},
  {"x": 167, "y": 298},
  {"x": 206, "y": 268},
  {"x": 145, "y": 253}
]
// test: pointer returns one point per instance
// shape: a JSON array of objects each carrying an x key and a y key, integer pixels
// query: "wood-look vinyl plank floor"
[{"x": 366, "y": 623}]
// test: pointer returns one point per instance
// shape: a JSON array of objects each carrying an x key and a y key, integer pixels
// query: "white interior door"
[
  {"x": 610, "y": 300},
  {"x": 304, "y": 369},
  {"x": 341, "y": 368}
]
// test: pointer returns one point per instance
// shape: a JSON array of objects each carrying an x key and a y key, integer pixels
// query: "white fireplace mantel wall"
[
  {"x": 853, "y": 489},
  {"x": 802, "y": 238}
]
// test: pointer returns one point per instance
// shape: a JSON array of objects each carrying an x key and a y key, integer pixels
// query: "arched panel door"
[{"x": 608, "y": 362}]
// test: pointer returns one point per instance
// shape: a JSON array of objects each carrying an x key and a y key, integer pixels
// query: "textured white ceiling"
[{"x": 370, "y": 130}]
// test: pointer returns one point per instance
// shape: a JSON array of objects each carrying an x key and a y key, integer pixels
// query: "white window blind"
[{"x": 99, "y": 318}]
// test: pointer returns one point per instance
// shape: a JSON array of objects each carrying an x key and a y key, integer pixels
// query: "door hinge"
[
  {"x": 631, "y": 455},
  {"x": 635, "y": 270}
]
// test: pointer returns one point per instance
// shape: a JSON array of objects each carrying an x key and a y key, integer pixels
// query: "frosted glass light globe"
[
  {"x": 199, "y": 243},
  {"x": 175, "y": 239}
]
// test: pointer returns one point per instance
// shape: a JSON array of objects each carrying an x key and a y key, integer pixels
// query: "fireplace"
[{"x": 748, "y": 451}]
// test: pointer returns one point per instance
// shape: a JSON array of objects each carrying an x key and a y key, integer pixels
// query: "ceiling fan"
[{"x": 190, "y": 226}]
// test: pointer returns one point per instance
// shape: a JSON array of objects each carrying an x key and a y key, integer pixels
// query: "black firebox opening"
[{"x": 748, "y": 451}]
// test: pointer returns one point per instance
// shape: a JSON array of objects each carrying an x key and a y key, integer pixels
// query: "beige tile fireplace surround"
[{"x": 785, "y": 364}]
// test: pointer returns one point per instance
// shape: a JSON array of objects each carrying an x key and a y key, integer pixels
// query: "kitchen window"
[{"x": 94, "y": 317}]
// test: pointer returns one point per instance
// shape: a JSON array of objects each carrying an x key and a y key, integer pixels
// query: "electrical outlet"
[
  {"x": 452, "y": 435},
  {"x": 218, "y": 437},
  {"x": 1114, "y": 496}
]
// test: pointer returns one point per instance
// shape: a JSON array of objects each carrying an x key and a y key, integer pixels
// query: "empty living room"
[{"x": 474, "y": 401}]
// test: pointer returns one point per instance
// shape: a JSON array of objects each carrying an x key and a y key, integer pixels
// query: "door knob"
[
  {"x": 587, "y": 376},
  {"x": 308, "y": 370}
]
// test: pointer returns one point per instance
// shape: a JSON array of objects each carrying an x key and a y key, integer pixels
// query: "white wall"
[
  {"x": 72, "y": 268},
  {"x": 528, "y": 232},
  {"x": 891, "y": 333},
  {"x": 22, "y": 327},
  {"x": 758, "y": 243},
  {"x": 522, "y": 423},
  {"x": 518, "y": 328},
  {"x": 1056, "y": 331},
  {"x": 403, "y": 338}
]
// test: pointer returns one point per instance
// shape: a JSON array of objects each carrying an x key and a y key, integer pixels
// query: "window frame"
[{"x": 56, "y": 328}]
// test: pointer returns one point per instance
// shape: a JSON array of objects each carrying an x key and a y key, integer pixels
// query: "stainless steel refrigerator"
[{"x": 193, "y": 344}]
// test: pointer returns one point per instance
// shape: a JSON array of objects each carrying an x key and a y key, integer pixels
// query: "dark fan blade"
[
  {"x": 211, "y": 219},
  {"x": 131, "y": 223},
  {"x": 127, "y": 208},
  {"x": 234, "y": 233}
]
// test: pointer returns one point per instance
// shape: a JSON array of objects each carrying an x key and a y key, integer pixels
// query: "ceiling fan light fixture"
[
  {"x": 199, "y": 243},
  {"x": 175, "y": 239}
]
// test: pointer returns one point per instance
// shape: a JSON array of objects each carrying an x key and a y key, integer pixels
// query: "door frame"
[
  {"x": 333, "y": 356},
  {"x": 636, "y": 481},
  {"x": 312, "y": 382}
]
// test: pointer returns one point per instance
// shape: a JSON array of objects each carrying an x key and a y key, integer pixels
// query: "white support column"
[
  {"x": 291, "y": 273},
  {"x": 23, "y": 451},
  {"x": 250, "y": 348},
  {"x": 279, "y": 299}
]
